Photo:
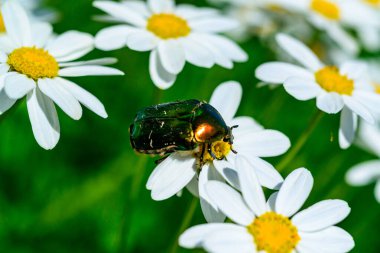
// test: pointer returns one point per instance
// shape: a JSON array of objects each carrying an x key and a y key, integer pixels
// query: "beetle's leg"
[
  {"x": 211, "y": 153},
  {"x": 202, "y": 155},
  {"x": 233, "y": 151},
  {"x": 235, "y": 126}
]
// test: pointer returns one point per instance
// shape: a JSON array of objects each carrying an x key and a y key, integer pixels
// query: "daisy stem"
[
  {"x": 127, "y": 218},
  {"x": 300, "y": 142},
  {"x": 185, "y": 223},
  {"x": 137, "y": 181}
]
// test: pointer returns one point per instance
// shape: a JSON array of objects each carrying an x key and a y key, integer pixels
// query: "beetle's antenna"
[{"x": 235, "y": 126}]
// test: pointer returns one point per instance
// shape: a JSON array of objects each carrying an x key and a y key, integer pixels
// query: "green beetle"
[{"x": 180, "y": 126}]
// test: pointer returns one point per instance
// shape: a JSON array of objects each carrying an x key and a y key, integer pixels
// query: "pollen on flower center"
[
  {"x": 33, "y": 62},
  {"x": 274, "y": 233},
  {"x": 326, "y": 8},
  {"x": 168, "y": 26},
  {"x": 220, "y": 149},
  {"x": 331, "y": 80},
  {"x": 2, "y": 26}
]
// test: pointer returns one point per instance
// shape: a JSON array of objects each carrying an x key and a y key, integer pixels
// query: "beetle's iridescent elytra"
[{"x": 179, "y": 126}]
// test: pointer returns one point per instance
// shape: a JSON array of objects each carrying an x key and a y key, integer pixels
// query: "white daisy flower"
[
  {"x": 173, "y": 34},
  {"x": 272, "y": 226},
  {"x": 332, "y": 16},
  {"x": 253, "y": 16},
  {"x": 369, "y": 35},
  {"x": 31, "y": 67},
  {"x": 32, "y": 7},
  {"x": 369, "y": 171},
  {"x": 251, "y": 140},
  {"x": 342, "y": 89}
]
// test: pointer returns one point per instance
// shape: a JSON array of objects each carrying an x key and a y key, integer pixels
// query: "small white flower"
[
  {"x": 272, "y": 226},
  {"x": 336, "y": 89},
  {"x": 173, "y": 34},
  {"x": 370, "y": 34},
  {"x": 369, "y": 171},
  {"x": 254, "y": 17},
  {"x": 332, "y": 16},
  {"x": 33, "y": 65},
  {"x": 250, "y": 140}
]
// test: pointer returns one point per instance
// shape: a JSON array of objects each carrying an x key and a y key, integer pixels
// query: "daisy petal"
[
  {"x": 359, "y": 109},
  {"x": 225, "y": 46},
  {"x": 347, "y": 129},
  {"x": 268, "y": 176},
  {"x": 331, "y": 103},
  {"x": 272, "y": 201},
  {"x": 278, "y": 72},
  {"x": 44, "y": 119},
  {"x": 162, "y": 6},
  {"x": 299, "y": 51},
  {"x": 194, "y": 236},
  {"x": 160, "y": 77},
  {"x": 100, "y": 61},
  {"x": 364, "y": 173},
  {"x": 353, "y": 70},
  {"x": 209, "y": 209},
  {"x": 122, "y": 12},
  {"x": 265, "y": 143},
  {"x": 330, "y": 240},
  {"x": 17, "y": 85},
  {"x": 141, "y": 40},
  {"x": 226, "y": 99},
  {"x": 89, "y": 71},
  {"x": 113, "y": 37},
  {"x": 193, "y": 187},
  {"x": 84, "y": 97},
  {"x": 214, "y": 24},
  {"x": 252, "y": 192},
  {"x": 41, "y": 33},
  {"x": 219, "y": 55},
  {"x": 226, "y": 169},
  {"x": 17, "y": 23},
  {"x": 172, "y": 56},
  {"x": 5, "y": 102},
  {"x": 246, "y": 124},
  {"x": 171, "y": 176},
  {"x": 69, "y": 43},
  {"x": 294, "y": 192},
  {"x": 230, "y": 202},
  {"x": 321, "y": 215},
  {"x": 63, "y": 98},
  {"x": 302, "y": 89},
  {"x": 229, "y": 240},
  {"x": 197, "y": 54}
]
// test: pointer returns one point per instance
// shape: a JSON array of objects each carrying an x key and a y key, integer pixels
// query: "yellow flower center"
[
  {"x": 377, "y": 87},
  {"x": 372, "y": 2},
  {"x": 33, "y": 62},
  {"x": 274, "y": 233},
  {"x": 219, "y": 148},
  {"x": 168, "y": 26},
  {"x": 326, "y": 8},
  {"x": 331, "y": 80},
  {"x": 2, "y": 26}
]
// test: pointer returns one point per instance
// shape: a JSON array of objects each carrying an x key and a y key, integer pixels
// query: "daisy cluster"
[{"x": 228, "y": 177}]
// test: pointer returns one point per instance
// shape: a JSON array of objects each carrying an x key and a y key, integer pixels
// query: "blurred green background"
[{"x": 88, "y": 194}]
